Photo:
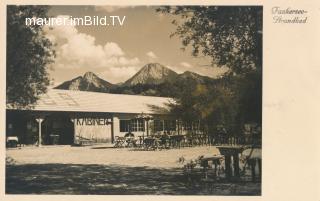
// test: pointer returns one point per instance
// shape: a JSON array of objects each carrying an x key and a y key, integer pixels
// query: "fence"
[{"x": 254, "y": 140}]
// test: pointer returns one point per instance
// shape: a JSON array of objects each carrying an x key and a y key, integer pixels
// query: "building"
[{"x": 64, "y": 116}]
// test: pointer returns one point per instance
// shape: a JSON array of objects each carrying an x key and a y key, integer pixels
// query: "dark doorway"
[{"x": 57, "y": 129}]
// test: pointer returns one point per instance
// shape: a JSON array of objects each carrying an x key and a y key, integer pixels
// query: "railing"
[
  {"x": 254, "y": 140},
  {"x": 178, "y": 141}
]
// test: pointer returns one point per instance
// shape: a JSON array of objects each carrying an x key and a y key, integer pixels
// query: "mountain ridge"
[{"x": 152, "y": 79}]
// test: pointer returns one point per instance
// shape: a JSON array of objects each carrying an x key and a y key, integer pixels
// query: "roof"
[{"x": 83, "y": 101}]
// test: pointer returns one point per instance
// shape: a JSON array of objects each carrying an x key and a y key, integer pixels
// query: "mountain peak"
[
  {"x": 89, "y": 75},
  {"x": 155, "y": 69},
  {"x": 194, "y": 76},
  {"x": 152, "y": 73},
  {"x": 88, "y": 82},
  {"x": 154, "y": 65}
]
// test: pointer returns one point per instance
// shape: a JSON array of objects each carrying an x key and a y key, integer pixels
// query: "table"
[
  {"x": 175, "y": 140},
  {"x": 228, "y": 152},
  {"x": 215, "y": 160},
  {"x": 12, "y": 141}
]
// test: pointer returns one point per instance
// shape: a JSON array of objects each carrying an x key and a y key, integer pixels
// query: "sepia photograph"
[{"x": 134, "y": 100}]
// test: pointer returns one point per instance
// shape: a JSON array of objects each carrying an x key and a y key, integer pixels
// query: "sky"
[{"x": 116, "y": 53}]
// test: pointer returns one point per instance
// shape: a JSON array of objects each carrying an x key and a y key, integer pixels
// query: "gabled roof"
[{"x": 83, "y": 101}]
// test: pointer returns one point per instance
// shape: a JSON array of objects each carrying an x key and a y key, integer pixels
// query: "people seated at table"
[
  {"x": 130, "y": 140},
  {"x": 129, "y": 134}
]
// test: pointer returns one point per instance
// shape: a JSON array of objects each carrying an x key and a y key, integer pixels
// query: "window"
[
  {"x": 195, "y": 125},
  {"x": 137, "y": 125},
  {"x": 187, "y": 126},
  {"x": 170, "y": 125},
  {"x": 125, "y": 125},
  {"x": 158, "y": 125},
  {"x": 134, "y": 125}
]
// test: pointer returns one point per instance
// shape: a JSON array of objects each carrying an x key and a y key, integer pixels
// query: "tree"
[
  {"x": 28, "y": 54},
  {"x": 232, "y": 37}
]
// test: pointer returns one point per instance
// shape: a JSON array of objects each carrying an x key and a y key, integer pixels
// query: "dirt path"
[
  {"x": 107, "y": 156},
  {"x": 109, "y": 171}
]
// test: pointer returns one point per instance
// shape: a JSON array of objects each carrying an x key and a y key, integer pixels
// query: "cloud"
[
  {"x": 181, "y": 67},
  {"x": 177, "y": 69},
  {"x": 119, "y": 74},
  {"x": 79, "y": 50},
  {"x": 109, "y": 9},
  {"x": 151, "y": 55},
  {"x": 185, "y": 64}
]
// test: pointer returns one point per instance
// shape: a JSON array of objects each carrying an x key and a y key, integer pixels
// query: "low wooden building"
[{"x": 65, "y": 116}]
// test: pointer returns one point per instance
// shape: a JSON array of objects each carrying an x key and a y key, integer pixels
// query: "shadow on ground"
[{"x": 113, "y": 180}]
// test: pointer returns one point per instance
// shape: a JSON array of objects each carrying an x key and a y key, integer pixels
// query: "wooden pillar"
[
  {"x": 147, "y": 127},
  {"x": 144, "y": 130},
  {"x": 112, "y": 129},
  {"x": 215, "y": 168},
  {"x": 236, "y": 165},
  {"x": 192, "y": 128},
  {"x": 39, "y": 120},
  {"x": 228, "y": 166},
  {"x": 74, "y": 121},
  {"x": 177, "y": 127},
  {"x": 163, "y": 126}
]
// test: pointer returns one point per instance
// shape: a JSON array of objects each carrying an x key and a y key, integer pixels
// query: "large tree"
[
  {"x": 28, "y": 54},
  {"x": 232, "y": 37}
]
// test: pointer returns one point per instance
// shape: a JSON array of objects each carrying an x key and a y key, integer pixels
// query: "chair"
[
  {"x": 163, "y": 142},
  {"x": 150, "y": 143},
  {"x": 119, "y": 142},
  {"x": 130, "y": 142}
]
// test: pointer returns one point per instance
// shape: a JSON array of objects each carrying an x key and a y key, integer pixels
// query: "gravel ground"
[
  {"x": 110, "y": 171},
  {"x": 105, "y": 155}
]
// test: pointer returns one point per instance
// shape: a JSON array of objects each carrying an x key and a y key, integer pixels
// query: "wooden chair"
[{"x": 120, "y": 142}]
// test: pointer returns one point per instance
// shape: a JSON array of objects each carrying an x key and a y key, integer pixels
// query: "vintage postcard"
[{"x": 159, "y": 99}]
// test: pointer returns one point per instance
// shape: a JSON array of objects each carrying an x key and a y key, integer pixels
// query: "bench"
[{"x": 81, "y": 141}]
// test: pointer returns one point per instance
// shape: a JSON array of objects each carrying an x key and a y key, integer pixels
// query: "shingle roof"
[{"x": 81, "y": 101}]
